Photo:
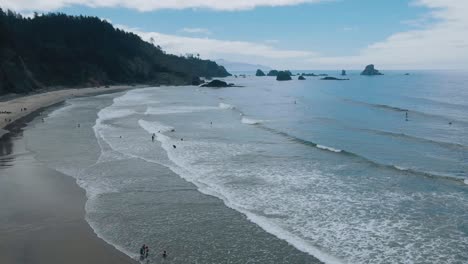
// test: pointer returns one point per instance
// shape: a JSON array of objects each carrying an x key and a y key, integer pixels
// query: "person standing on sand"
[
  {"x": 146, "y": 251},
  {"x": 164, "y": 254},
  {"x": 152, "y": 137}
]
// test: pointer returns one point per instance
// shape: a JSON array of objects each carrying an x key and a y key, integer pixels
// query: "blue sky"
[{"x": 398, "y": 34}]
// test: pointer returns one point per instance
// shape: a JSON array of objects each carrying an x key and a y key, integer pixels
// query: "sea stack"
[
  {"x": 343, "y": 73},
  {"x": 260, "y": 73},
  {"x": 283, "y": 76},
  {"x": 273, "y": 73},
  {"x": 301, "y": 78},
  {"x": 370, "y": 71},
  {"x": 216, "y": 84}
]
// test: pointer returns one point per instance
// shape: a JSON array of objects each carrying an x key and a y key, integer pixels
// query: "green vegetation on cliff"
[{"x": 62, "y": 50}]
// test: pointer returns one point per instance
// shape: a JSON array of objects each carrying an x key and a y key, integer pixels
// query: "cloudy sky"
[{"x": 295, "y": 34}]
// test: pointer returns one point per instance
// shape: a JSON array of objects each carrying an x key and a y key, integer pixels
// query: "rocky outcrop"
[
  {"x": 197, "y": 81},
  {"x": 273, "y": 73},
  {"x": 216, "y": 84},
  {"x": 283, "y": 76},
  {"x": 333, "y": 79},
  {"x": 343, "y": 73},
  {"x": 370, "y": 71},
  {"x": 301, "y": 78},
  {"x": 260, "y": 73}
]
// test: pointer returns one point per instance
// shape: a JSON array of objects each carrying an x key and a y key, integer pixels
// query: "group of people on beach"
[{"x": 144, "y": 252}]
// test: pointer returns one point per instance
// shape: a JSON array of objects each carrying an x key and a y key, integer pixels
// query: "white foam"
[
  {"x": 466, "y": 181},
  {"x": 226, "y": 106},
  {"x": 154, "y": 127},
  {"x": 251, "y": 121},
  {"x": 114, "y": 113},
  {"x": 400, "y": 168},
  {"x": 165, "y": 110},
  {"x": 329, "y": 148}
]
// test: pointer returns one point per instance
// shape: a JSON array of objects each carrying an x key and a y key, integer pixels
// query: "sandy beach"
[
  {"x": 42, "y": 220},
  {"x": 12, "y": 110}
]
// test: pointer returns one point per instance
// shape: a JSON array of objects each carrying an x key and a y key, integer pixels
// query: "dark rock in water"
[
  {"x": 407, "y": 74},
  {"x": 301, "y": 78},
  {"x": 343, "y": 73},
  {"x": 283, "y": 76},
  {"x": 216, "y": 84},
  {"x": 289, "y": 72},
  {"x": 273, "y": 73},
  {"x": 309, "y": 74},
  {"x": 333, "y": 79},
  {"x": 323, "y": 74},
  {"x": 197, "y": 81},
  {"x": 370, "y": 70},
  {"x": 260, "y": 73}
]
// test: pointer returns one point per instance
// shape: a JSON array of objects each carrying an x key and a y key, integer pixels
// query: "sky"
[{"x": 292, "y": 34}]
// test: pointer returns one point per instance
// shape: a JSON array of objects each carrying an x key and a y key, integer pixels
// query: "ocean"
[{"x": 370, "y": 170}]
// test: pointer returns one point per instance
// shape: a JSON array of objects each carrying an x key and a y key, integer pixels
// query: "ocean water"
[{"x": 370, "y": 170}]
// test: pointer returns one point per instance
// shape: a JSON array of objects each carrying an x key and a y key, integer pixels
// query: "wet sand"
[{"x": 42, "y": 212}]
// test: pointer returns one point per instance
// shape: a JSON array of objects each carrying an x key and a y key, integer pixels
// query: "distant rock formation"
[
  {"x": 407, "y": 74},
  {"x": 313, "y": 74},
  {"x": 273, "y": 73},
  {"x": 283, "y": 76},
  {"x": 333, "y": 79},
  {"x": 343, "y": 73},
  {"x": 370, "y": 70},
  {"x": 301, "y": 78},
  {"x": 216, "y": 84},
  {"x": 259, "y": 73}
]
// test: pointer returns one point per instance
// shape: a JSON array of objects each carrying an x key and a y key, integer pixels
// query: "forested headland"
[{"x": 61, "y": 50}]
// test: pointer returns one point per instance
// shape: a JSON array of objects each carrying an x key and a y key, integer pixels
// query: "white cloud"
[
  {"x": 230, "y": 50},
  {"x": 148, "y": 5},
  {"x": 196, "y": 31},
  {"x": 349, "y": 28},
  {"x": 442, "y": 44}
]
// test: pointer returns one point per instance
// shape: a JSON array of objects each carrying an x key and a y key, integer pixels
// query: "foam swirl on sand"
[
  {"x": 226, "y": 106},
  {"x": 251, "y": 121}
]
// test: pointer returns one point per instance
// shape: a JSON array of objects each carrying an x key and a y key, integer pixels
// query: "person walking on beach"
[
  {"x": 152, "y": 137},
  {"x": 142, "y": 252},
  {"x": 146, "y": 252},
  {"x": 164, "y": 254}
]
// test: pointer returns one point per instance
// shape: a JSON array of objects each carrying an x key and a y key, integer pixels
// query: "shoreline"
[
  {"x": 21, "y": 106},
  {"x": 44, "y": 219}
]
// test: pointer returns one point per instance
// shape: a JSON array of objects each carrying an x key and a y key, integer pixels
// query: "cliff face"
[
  {"x": 15, "y": 77},
  {"x": 56, "y": 49}
]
